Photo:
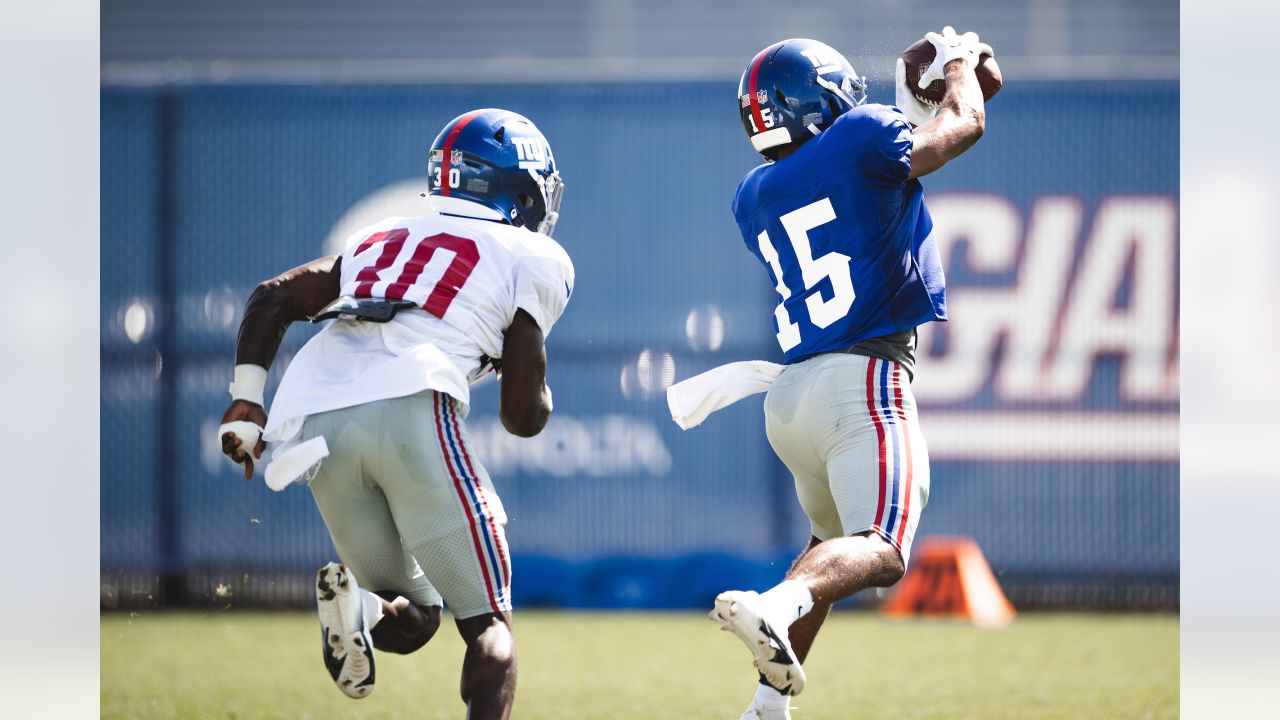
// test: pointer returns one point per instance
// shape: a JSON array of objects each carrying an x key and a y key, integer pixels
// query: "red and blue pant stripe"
[
  {"x": 490, "y": 546},
  {"x": 893, "y": 432}
]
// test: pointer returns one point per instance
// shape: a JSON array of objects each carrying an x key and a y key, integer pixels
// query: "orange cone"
[{"x": 949, "y": 577}]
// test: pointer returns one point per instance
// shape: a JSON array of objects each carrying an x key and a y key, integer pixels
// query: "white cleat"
[
  {"x": 741, "y": 613},
  {"x": 758, "y": 712},
  {"x": 348, "y": 649}
]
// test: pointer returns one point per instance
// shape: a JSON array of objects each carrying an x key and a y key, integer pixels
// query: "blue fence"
[{"x": 1050, "y": 400}]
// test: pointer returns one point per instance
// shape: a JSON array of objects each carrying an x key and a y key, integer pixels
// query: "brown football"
[{"x": 919, "y": 57}]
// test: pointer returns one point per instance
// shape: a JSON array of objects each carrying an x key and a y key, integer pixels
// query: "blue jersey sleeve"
[
  {"x": 887, "y": 154},
  {"x": 877, "y": 139}
]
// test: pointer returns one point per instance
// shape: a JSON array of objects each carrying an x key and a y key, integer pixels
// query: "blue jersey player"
[{"x": 838, "y": 218}]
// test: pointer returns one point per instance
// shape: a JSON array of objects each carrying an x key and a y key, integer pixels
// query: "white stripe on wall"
[{"x": 1050, "y": 436}]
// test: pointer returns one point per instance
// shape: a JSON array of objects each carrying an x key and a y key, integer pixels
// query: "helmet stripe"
[
  {"x": 446, "y": 160},
  {"x": 751, "y": 88}
]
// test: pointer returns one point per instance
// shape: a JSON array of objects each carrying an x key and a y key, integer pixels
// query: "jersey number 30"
[
  {"x": 813, "y": 270},
  {"x": 396, "y": 273}
]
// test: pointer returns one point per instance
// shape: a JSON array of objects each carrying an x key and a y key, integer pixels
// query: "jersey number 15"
[{"x": 833, "y": 265}]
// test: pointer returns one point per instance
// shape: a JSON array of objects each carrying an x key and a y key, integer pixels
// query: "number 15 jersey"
[
  {"x": 845, "y": 235},
  {"x": 466, "y": 273}
]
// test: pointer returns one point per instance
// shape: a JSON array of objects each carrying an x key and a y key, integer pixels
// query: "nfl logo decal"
[
  {"x": 762, "y": 97},
  {"x": 455, "y": 157}
]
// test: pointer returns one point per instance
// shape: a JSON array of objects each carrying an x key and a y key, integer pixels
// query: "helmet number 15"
[
  {"x": 766, "y": 115},
  {"x": 833, "y": 266}
]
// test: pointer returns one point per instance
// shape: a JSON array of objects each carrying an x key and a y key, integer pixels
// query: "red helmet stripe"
[
  {"x": 446, "y": 159},
  {"x": 751, "y": 87}
]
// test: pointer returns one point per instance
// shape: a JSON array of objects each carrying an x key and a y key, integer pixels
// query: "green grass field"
[{"x": 629, "y": 666}]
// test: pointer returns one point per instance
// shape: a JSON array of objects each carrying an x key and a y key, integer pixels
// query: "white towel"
[
  {"x": 692, "y": 400},
  {"x": 294, "y": 461}
]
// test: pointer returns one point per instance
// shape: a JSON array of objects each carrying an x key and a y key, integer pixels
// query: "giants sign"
[{"x": 1063, "y": 339}]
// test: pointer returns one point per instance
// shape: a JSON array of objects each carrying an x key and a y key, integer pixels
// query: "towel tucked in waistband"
[{"x": 691, "y": 401}]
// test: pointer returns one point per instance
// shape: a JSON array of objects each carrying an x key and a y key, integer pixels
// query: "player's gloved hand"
[
  {"x": 949, "y": 46},
  {"x": 917, "y": 112},
  {"x": 241, "y": 434}
]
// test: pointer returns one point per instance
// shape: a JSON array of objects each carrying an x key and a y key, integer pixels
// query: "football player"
[
  {"x": 837, "y": 216},
  {"x": 417, "y": 309}
]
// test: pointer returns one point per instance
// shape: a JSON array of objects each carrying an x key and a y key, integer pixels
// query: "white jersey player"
[{"x": 420, "y": 307}]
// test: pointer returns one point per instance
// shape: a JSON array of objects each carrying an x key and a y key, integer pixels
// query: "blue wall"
[{"x": 220, "y": 187}]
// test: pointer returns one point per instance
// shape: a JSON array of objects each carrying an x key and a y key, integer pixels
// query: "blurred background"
[{"x": 242, "y": 138}]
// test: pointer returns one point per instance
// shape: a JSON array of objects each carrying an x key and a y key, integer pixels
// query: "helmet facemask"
[{"x": 552, "y": 194}]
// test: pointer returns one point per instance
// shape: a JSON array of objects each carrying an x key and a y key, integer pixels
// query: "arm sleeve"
[
  {"x": 543, "y": 286},
  {"x": 886, "y": 153}
]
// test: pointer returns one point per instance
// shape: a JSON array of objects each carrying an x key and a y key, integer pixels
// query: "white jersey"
[{"x": 466, "y": 272}]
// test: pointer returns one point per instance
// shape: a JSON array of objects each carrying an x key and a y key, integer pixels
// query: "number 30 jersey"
[
  {"x": 845, "y": 235},
  {"x": 466, "y": 273}
]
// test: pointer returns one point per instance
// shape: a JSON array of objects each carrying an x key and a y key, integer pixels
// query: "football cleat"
[
  {"x": 758, "y": 712},
  {"x": 345, "y": 641},
  {"x": 742, "y": 613}
]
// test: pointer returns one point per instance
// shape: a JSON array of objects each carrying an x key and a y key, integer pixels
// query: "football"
[{"x": 919, "y": 57}]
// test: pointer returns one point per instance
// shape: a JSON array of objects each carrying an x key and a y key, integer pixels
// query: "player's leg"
[
  {"x": 803, "y": 631},
  {"x": 879, "y": 476},
  {"x": 489, "y": 668},
  {"x": 761, "y": 622},
  {"x": 824, "y": 573},
  {"x": 769, "y": 703},
  {"x": 877, "y": 470},
  {"x": 397, "y": 618},
  {"x": 834, "y": 570},
  {"x": 405, "y": 626},
  {"x": 452, "y": 521}
]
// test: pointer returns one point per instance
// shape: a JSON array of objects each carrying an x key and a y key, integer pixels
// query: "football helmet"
[
  {"x": 793, "y": 90},
  {"x": 501, "y": 160}
]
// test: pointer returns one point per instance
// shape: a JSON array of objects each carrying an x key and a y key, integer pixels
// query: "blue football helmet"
[
  {"x": 498, "y": 159},
  {"x": 793, "y": 90}
]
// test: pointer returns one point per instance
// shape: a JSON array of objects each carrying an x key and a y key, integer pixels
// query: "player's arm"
[
  {"x": 296, "y": 294},
  {"x": 525, "y": 397},
  {"x": 293, "y": 295},
  {"x": 960, "y": 119}
]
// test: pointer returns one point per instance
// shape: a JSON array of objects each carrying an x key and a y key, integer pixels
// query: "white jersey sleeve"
[{"x": 543, "y": 284}]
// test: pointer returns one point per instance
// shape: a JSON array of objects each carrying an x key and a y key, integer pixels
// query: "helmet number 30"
[
  {"x": 455, "y": 177},
  {"x": 833, "y": 266}
]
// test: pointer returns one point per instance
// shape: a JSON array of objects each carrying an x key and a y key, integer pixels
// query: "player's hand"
[
  {"x": 916, "y": 111},
  {"x": 949, "y": 46},
  {"x": 240, "y": 442}
]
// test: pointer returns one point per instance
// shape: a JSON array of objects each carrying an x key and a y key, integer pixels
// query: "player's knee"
[
  {"x": 430, "y": 625},
  {"x": 887, "y": 565},
  {"x": 405, "y": 638},
  {"x": 891, "y": 567},
  {"x": 491, "y": 656},
  {"x": 496, "y": 646},
  {"x": 893, "y": 570}
]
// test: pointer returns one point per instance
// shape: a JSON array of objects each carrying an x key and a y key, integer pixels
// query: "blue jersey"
[{"x": 845, "y": 235}]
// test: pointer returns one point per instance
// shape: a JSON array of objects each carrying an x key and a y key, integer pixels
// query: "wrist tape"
[{"x": 249, "y": 383}]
